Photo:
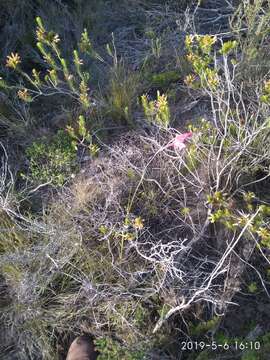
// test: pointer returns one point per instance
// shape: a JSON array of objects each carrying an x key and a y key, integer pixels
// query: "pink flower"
[{"x": 178, "y": 143}]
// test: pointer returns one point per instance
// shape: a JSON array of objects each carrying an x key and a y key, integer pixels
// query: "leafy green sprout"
[
  {"x": 81, "y": 136},
  {"x": 157, "y": 111}
]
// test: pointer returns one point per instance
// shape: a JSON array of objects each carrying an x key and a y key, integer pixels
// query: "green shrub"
[
  {"x": 254, "y": 18},
  {"x": 52, "y": 162},
  {"x": 204, "y": 327},
  {"x": 157, "y": 111},
  {"x": 262, "y": 353},
  {"x": 164, "y": 79},
  {"x": 111, "y": 350},
  {"x": 61, "y": 78}
]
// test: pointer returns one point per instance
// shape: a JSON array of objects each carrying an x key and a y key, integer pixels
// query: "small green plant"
[
  {"x": 51, "y": 162},
  {"x": 163, "y": 310},
  {"x": 157, "y": 111},
  {"x": 228, "y": 47},
  {"x": 252, "y": 287},
  {"x": 81, "y": 136},
  {"x": 199, "y": 49},
  {"x": 155, "y": 43},
  {"x": 255, "y": 220},
  {"x": 262, "y": 352},
  {"x": 164, "y": 79},
  {"x": 205, "y": 326},
  {"x": 156, "y": 47},
  {"x": 111, "y": 350},
  {"x": 265, "y": 97}
]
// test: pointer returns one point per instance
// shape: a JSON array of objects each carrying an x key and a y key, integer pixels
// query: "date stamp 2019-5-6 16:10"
[{"x": 213, "y": 345}]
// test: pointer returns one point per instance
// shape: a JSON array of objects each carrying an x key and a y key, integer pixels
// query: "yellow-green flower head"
[
  {"x": 189, "y": 40},
  {"x": 24, "y": 95},
  {"x": 13, "y": 60}
]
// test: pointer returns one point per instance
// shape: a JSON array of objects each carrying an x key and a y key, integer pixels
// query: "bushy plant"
[
  {"x": 70, "y": 80},
  {"x": 157, "y": 111},
  {"x": 111, "y": 350},
  {"x": 164, "y": 79},
  {"x": 52, "y": 162},
  {"x": 254, "y": 18}
]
